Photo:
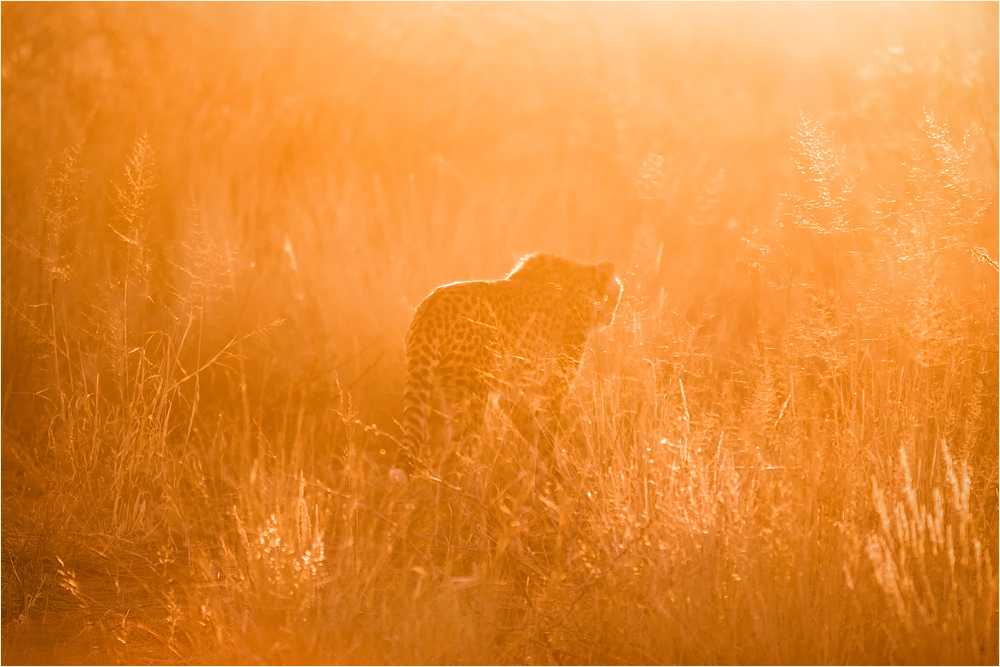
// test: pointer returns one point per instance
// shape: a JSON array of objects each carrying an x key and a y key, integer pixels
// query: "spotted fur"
[{"x": 524, "y": 334}]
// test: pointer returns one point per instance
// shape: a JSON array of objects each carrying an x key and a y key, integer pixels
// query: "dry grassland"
[{"x": 218, "y": 219}]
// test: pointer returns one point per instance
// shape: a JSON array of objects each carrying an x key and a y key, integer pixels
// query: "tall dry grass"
[{"x": 218, "y": 219}]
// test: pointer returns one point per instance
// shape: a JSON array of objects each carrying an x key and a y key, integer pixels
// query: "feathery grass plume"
[
  {"x": 207, "y": 266},
  {"x": 60, "y": 214},
  {"x": 949, "y": 196},
  {"x": 132, "y": 227},
  {"x": 826, "y": 209}
]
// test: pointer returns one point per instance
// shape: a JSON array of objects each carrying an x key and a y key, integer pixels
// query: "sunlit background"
[{"x": 217, "y": 222}]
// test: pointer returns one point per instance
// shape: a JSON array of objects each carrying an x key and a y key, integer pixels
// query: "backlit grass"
[{"x": 218, "y": 219}]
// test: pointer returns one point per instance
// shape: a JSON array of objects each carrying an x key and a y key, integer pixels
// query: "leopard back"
[{"x": 526, "y": 333}]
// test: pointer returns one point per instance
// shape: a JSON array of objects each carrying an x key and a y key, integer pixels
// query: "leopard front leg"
[{"x": 557, "y": 386}]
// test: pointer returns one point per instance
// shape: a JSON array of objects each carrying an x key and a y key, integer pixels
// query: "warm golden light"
[{"x": 218, "y": 219}]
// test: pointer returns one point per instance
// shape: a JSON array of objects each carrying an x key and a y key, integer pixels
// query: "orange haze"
[{"x": 218, "y": 219}]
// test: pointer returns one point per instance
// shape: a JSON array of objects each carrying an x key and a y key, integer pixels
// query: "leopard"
[{"x": 522, "y": 335}]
